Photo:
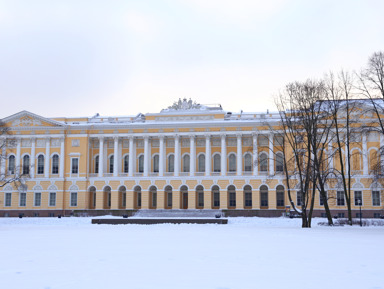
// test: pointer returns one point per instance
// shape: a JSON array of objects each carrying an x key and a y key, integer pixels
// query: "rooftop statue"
[{"x": 184, "y": 104}]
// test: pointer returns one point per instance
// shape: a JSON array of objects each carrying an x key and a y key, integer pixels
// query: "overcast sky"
[{"x": 122, "y": 57}]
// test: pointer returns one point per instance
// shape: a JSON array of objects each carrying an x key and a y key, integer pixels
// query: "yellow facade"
[{"x": 181, "y": 158}]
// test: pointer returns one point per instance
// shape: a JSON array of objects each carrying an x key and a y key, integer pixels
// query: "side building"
[{"x": 188, "y": 156}]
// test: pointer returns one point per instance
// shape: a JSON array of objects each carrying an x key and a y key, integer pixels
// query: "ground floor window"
[
  {"x": 263, "y": 196},
  {"x": 358, "y": 198},
  {"x": 340, "y": 198},
  {"x": 216, "y": 196},
  {"x": 23, "y": 199},
  {"x": 37, "y": 202},
  {"x": 376, "y": 198},
  {"x": 73, "y": 199},
  {"x": 8, "y": 199},
  {"x": 52, "y": 199},
  {"x": 232, "y": 196}
]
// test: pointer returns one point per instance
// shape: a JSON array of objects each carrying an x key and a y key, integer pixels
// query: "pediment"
[{"x": 26, "y": 119}]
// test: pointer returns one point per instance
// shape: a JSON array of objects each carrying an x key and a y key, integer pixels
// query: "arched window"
[
  {"x": 55, "y": 164},
  {"x": 11, "y": 164},
  {"x": 279, "y": 162},
  {"x": 248, "y": 163},
  {"x": 216, "y": 163},
  {"x": 92, "y": 197},
  {"x": 137, "y": 196},
  {"x": 201, "y": 163},
  {"x": 168, "y": 197},
  {"x": 126, "y": 164},
  {"x": 186, "y": 163},
  {"x": 156, "y": 163},
  {"x": 280, "y": 196},
  {"x": 96, "y": 164},
  {"x": 263, "y": 161},
  {"x": 111, "y": 164},
  {"x": 215, "y": 197},
  {"x": 153, "y": 196},
  {"x": 232, "y": 163},
  {"x": 200, "y": 196},
  {"x": 141, "y": 163},
  {"x": 232, "y": 196},
  {"x": 40, "y": 164},
  {"x": 171, "y": 163},
  {"x": 373, "y": 160},
  {"x": 356, "y": 160},
  {"x": 26, "y": 165},
  {"x": 248, "y": 196},
  {"x": 264, "y": 196},
  {"x": 107, "y": 196}
]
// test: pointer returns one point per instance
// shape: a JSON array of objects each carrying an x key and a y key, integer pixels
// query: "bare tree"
[
  {"x": 13, "y": 176},
  {"x": 345, "y": 112},
  {"x": 304, "y": 127}
]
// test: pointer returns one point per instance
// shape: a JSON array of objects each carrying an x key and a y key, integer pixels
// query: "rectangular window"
[
  {"x": 376, "y": 198},
  {"x": 154, "y": 200},
  {"x": 55, "y": 164},
  {"x": 358, "y": 215},
  {"x": 340, "y": 215},
  {"x": 216, "y": 199},
  {"x": 376, "y": 215},
  {"x": 358, "y": 198},
  {"x": 169, "y": 200},
  {"x": 124, "y": 200},
  {"x": 280, "y": 199},
  {"x": 322, "y": 199},
  {"x": 263, "y": 199},
  {"x": 340, "y": 198},
  {"x": 52, "y": 199},
  {"x": 248, "y": 199},
  {"x": 139, "y": 200},
  {"x": 8, "y": 199},
  {"x": 23, "y": 199},
  {"x": 232, "y": 199},
  {"x": 37, "y": 202},
  {"x": 201, "y": 199},
  {"x": 75, "y": 166},
  {"x": 299, "y": 198},
  {"x": 73, "y": 199}
]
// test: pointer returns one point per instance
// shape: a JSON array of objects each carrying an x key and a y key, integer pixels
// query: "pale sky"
[{"x": 121, "y": 57}]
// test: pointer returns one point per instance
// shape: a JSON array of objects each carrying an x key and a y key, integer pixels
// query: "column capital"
[
  {"x": 255, "y": 134},
  {"x": 115, "y": 137},
  {"x": 192, "y": 136},
  {"x": 207, "y": 135},
  {"x": 101, "y": 137},
  {"x": 47, "y": 137},
  {"x": 223, "y": 135},
  {"x": 239, "y": 134},
  {"x": 161, "y": 136}
]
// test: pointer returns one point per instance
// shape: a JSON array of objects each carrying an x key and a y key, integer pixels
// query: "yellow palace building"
[{"x": 188, "y": 156}]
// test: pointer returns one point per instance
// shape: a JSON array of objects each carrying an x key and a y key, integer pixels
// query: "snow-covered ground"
[{"x": 252, "y": 253}]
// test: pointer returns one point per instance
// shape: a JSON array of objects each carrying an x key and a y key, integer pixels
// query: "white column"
[
  {"x": 161, "y": 156},
  {"x": 3, "y": 160},
  {"x": 101, "y": 156},
  {"x": 131, "y": 157},
  {"x": 116, "y": 156},
  {"x": 365, "y": 155},
  {"x": 223, "y": 155},
  {"x": 271, "y": 158},
  {"x": 62, "y": 158},
  {"x": 255, "y": 162},
  {"x": 47, "y": 156},
  {"x": 207, "y": 155},
  {"x": 239, "y": 155},
  {"x": 192, "y": 154},
  {"x": 330, "y": 155},
  {"x": 146, "y": 156},
  {"x": 33, "y": 157},
  {"x": 18, "y": 156},
  {"x": 177, "y": 155}
]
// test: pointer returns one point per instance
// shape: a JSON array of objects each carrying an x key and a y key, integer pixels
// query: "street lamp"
[{"x": 359, "y": 203}]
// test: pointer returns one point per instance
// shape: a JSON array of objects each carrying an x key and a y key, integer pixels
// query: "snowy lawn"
[{"x": 263, "y": 253}]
